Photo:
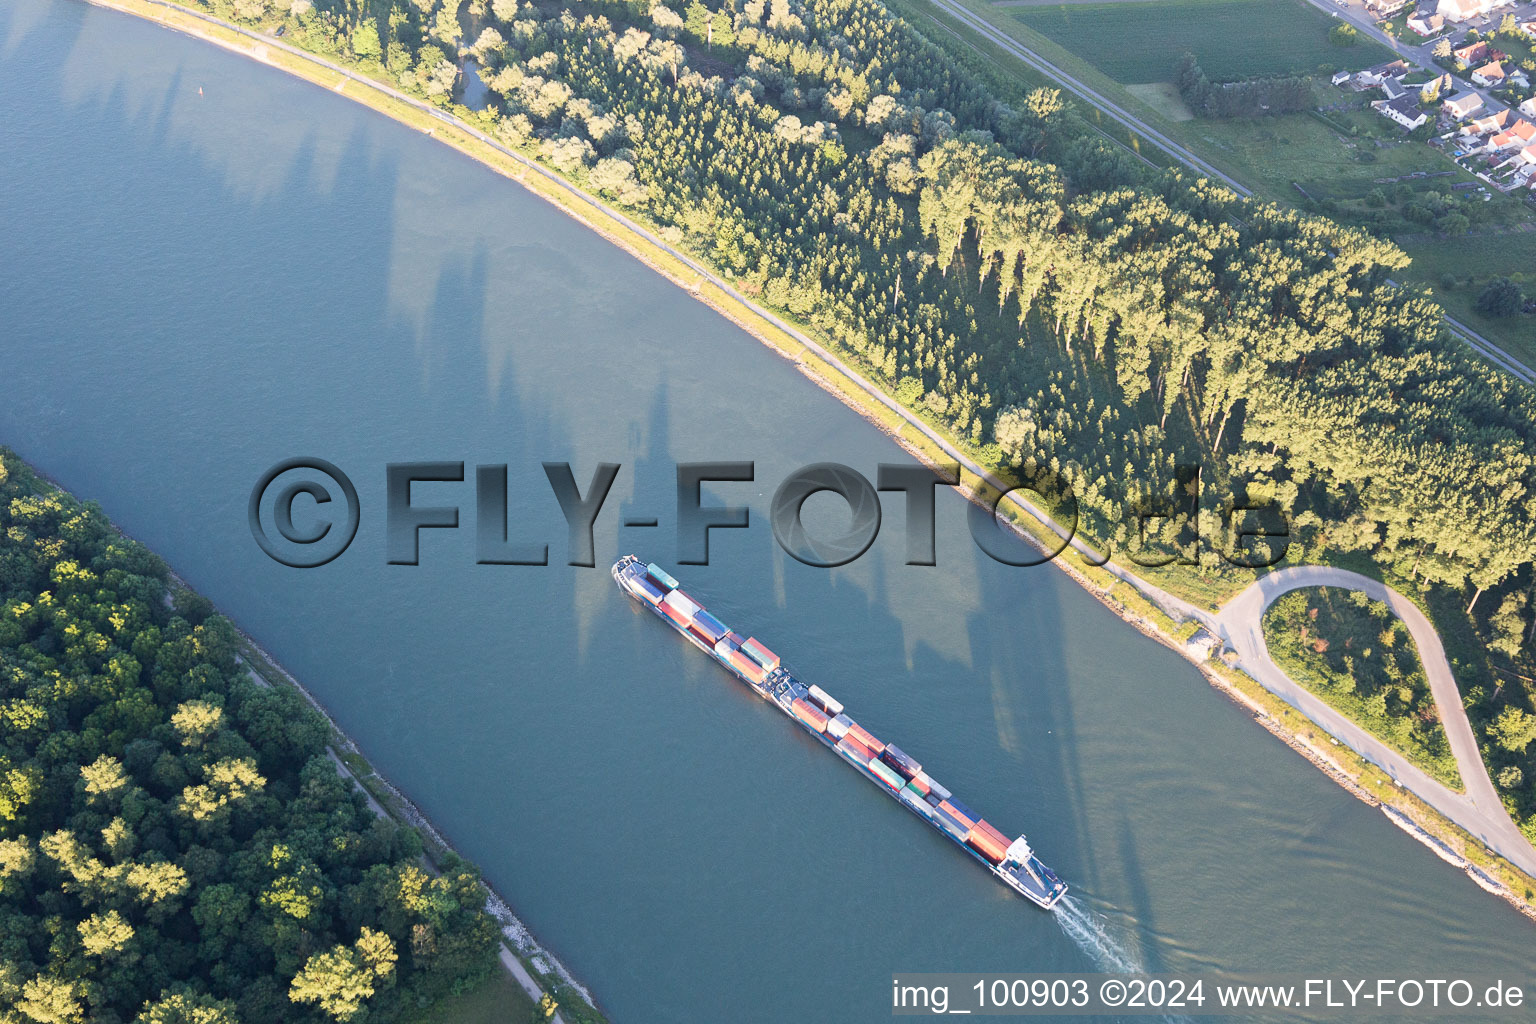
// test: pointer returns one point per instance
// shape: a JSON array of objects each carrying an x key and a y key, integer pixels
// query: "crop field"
[{"x": 1141, "y": 42}]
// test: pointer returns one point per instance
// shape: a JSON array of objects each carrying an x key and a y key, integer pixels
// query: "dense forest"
[
  {"x": 175, "y": 845},
  {"x": 1007, "y": 271}
]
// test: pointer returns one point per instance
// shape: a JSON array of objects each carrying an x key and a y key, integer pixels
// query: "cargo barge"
[{"x": 815, "y": 711}]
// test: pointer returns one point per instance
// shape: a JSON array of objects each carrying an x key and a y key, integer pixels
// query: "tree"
[
  {"x": 340, "y": 979},
  {"x": 185, "y": 1006},
  {"x": 105, "y": 934},
  {"x": 365, "y": 41},
  {"x": 196, "y": 721},
  {"x": 1500, "y": 298},
  {"x": 51, "y": 1000},
  {"x": 1513, "y": 729},
  {"x": 1508, "y": 625}
]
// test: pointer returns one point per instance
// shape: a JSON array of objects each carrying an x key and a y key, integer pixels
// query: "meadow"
[{"x": 1233, "y": 39}]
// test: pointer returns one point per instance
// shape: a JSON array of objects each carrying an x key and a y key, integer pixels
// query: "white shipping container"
[
  {"x": 824, "y": 700},
  {"x": 684, "y": 604},
  {"x": 838, "y": 727}
]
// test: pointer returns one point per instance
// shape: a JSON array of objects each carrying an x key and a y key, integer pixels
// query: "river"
[{"x": 210, "y": 266}]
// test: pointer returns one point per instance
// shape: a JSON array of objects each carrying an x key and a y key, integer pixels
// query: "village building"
[
  {"x": 1463, "y": 106},
  {"x": 1426, "y": 23},
  {"x": 1403, "y": 110}
]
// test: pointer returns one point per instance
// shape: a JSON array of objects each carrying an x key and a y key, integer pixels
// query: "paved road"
[{"x": 1478, "y": 810}]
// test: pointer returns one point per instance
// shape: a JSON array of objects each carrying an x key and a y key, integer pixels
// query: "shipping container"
[
  {"x": 837, "y": 728},
  {"x": 988, "y": 843},
  {"x": 964, "y": 811},
  {"x": 723, "y": 650},
  {"x": 862, "y": 735},
  {"x": 708, "y": 624},
  {"x": 822, "y": 699},
  {"x": 949, "y": 824},
  {"x": 810, "y": 715},
  {"x": 648, "y": 590},
  {"x": 760, "y": 654},
  {"x": 920, "y": 784},
  {"x": 735, "y": 638},
  {"x": 673, "y": 614},
  {"x": 934, "y": 789},
  {"x": 854, "y": 749},
  {"x": 683, "y": 603},
  {"x": 903, "y": 764},
  {"x": 987, "y": 829},
  {"x": 884, "y": 773},
  {"x": 915, "y": 802},
  {"x": 747, "y": 667},
  {"x": 953, "y": 809},
  {"x": 661, "y": 576}
]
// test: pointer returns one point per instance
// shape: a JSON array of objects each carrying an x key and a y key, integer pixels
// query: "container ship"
[{"x": 813, "y": 709}]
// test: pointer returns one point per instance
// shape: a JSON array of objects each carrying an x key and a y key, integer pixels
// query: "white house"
[
  {"x": 1391, "y": 90},
  {"x": 1489, "y": 75},
  {"x": 1463, "y": 106},
  {"x": 1341, "y": 77},
  {"x": 1528, "y": 108},
  {"x": 1463, "y": 10},
  {"x": 1402, "y": 110},
  {"x": 1426, "y": 24}
]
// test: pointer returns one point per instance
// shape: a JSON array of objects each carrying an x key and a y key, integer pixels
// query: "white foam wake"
[
  {"x": 1093, "y": 936},
  {"x": 1114, "y": 954}
]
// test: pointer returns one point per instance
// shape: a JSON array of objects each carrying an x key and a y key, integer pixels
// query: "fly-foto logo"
[{"x": 304, "y": 512}]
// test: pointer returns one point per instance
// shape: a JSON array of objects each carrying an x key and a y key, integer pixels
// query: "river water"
[{"x": 197, "y": 284}]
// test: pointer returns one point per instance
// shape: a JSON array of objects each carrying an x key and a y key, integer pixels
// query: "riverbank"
[{"x": 1133, "y": 598}]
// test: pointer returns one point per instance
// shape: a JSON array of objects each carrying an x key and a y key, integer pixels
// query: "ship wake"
[
  {"x": 1092, "y": 934},
  {"x": 1113, "y": 953}
]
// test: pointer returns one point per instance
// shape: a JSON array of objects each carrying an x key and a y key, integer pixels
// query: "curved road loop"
[{"x": 1478, "y": 810}]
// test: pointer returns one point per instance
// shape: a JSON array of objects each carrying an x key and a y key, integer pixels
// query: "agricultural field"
[{"x": 1233, "y": 39}]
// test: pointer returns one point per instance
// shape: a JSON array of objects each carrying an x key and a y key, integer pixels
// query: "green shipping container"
[{"x": 889, "y": 777}]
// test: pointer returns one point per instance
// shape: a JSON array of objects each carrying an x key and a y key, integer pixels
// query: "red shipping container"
[
  {"x": 859, "y": 750},
  {"x": 673, "y": 614},
  {"x": 920, "y": 784},
  {"x": 861, "y": 735},
  {"x": 964, "y": 819},
  {"x": 988, "y": 842},
  {"x": 747, "y": 667},
  {"x": 809, "y": 714}
]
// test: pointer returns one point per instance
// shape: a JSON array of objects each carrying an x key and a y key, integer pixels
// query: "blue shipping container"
[
  {"x": 652, "y": 592},
  {"x": 707, "y": 623}
]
